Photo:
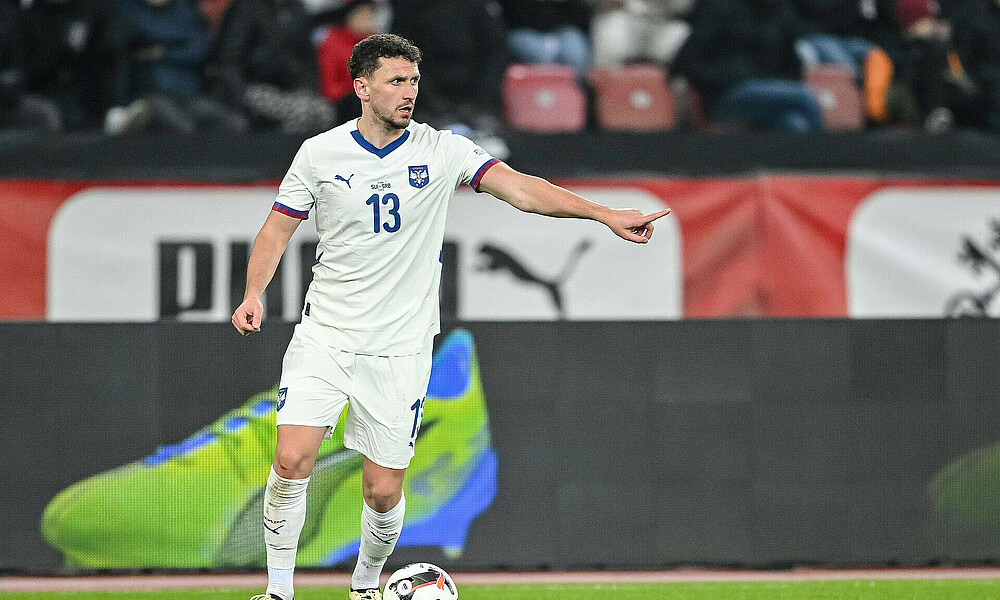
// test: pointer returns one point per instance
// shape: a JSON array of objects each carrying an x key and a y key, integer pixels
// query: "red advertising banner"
[
  {"x": 784, "y": 246},
  {"x": 28, "y": 208},
  {"x": 875, "y": 248},
  {"x": 768, "y": 246}
]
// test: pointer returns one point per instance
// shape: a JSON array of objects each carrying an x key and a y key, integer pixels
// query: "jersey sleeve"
[
  {"x": 473, "y": 161},
  {"x": 295, "y": 194}
]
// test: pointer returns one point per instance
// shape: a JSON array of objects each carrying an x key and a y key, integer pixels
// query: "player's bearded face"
[{"x": 394, "y": 91}]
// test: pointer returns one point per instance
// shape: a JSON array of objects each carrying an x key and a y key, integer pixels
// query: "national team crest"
[
  {"x": 419, "y": 176},
  {"x": 282, "y": 394}
]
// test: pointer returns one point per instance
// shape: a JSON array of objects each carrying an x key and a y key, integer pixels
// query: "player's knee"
[
  {"x": 382, "y": 496},
  {"x": 291, "y": 465}
]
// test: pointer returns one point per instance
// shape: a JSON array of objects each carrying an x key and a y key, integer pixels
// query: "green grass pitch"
[{"x": 937, "y": 589}]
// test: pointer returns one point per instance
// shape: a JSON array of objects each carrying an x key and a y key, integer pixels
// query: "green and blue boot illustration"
[
  {"x": 961, "y": 507},
  {"x": 199, "y": 503}
]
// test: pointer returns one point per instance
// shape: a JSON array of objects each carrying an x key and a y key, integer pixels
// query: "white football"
[{"x": 420, "y": 581}]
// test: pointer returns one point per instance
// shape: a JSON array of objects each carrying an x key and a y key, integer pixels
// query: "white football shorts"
[{"x": 383, "y": 395}]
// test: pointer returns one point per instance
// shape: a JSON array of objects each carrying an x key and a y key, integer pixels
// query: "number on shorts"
[{"x": 416, "y": 408}]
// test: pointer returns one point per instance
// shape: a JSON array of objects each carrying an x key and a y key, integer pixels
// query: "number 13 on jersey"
[{"x": 390, "y": 200}]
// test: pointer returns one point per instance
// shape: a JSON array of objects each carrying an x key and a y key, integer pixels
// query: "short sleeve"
[
  {"x": 473, "y": 161},
  {"x": 295, "y": 194}
]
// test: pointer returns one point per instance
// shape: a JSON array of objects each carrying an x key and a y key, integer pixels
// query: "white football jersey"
[{"x": 380, "y": 215}]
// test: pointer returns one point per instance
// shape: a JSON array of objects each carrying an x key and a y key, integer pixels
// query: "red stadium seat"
[
  {"x": 838, "y": 96},
  {"x": 634, "y": 98},
  {"x": 543, "y": 98}
]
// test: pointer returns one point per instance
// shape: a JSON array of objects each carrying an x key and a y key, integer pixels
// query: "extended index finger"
[{"x": 654, "y": 216}]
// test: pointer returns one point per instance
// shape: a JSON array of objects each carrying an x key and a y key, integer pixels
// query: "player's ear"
[{"x": 361, "y": 88}]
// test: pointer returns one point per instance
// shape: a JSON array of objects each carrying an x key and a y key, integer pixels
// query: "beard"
[{"x": 392, "y": 120}]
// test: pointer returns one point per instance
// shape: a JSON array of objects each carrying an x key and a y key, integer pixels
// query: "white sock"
[
  {"x": 379, "y": 532},
  {"x": 279, "y": 580},
  {"x": 284, "y": 514}
]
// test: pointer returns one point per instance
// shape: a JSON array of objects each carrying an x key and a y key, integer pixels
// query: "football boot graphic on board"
[{"x": 199, "y": 503}]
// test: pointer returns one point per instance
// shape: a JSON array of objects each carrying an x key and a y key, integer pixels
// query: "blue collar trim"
[{"x": 380, "y": 152}]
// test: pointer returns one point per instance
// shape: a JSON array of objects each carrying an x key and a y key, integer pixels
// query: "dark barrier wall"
[
  {"x": 228, "y": 157},
  {"x": 620, "y": 444}
]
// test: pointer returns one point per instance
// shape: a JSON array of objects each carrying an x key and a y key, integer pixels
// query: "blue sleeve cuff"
[
  {"x": 291, "y": 212},
  {"x": 474, "y": 184}
]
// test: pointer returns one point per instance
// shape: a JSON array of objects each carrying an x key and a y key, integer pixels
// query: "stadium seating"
[
  {"x": 694, "y": 105},
  {"x": 634, "y": 98},
  {"x": 543, "y": 98},
  {"x": 838, "y": 96}
]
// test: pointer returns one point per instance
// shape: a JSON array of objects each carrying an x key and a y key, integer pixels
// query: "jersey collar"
[{"x": 380, "y": 152}]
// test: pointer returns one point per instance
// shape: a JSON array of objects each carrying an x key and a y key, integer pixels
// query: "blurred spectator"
[
  {"x": 212, "y": 11},
  {"x": 741, "y": 58},
  {"x": 976, "y": 40},
  {"x": 630, "y": 31},
  {"x": 860, "y": 35},
  {"x": 76, "y": 56},
  {"x": 846, "y": 31},
  {"x": 928, "y": 83},
  {"x": 318, "y": 8},
  {"x": 354, "y": 22},
  {"x": 264, "y": 62},
  {"x": 873, "y": 20},
  {"x": 169, "y": 47},
  {"x": 827, "y": 48},
  {"x": 548, "y": 31},
  {"x": 17, "y": 108},
  {"x": 11, "y": 60},
  {"x": 463, "y": 59}
]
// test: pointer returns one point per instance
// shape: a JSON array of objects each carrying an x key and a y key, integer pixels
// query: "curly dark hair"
[{"x": 364, "y": 57}]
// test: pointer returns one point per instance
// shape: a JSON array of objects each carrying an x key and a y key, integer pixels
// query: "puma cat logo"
[
  {"x": 347, "y": 181},
  {"x": 497, "y": 259}
]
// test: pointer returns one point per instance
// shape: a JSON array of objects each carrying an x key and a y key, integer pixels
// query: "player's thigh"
[
  {"x": 314, "y": 383},
  {"x": 386, "y": 408}
]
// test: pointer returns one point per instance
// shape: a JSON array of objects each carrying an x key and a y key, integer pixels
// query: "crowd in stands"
[{"x": 235, "y": 65}]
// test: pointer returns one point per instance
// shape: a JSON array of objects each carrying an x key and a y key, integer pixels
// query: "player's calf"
[
  {"x": 379, "y": 533},
  {"x": 284, "y": 515}
]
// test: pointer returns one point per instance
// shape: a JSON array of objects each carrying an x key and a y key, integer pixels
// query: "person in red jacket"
[{"x": 352, "y": 23}]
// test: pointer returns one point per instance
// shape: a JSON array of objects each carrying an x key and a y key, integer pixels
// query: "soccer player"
[{"x": 379, "y": 187}]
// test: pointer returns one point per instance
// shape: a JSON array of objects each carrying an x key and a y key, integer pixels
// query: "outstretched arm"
[
  {"x": 536, "y": 195},
  {"x": 267, "y": 250}
]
